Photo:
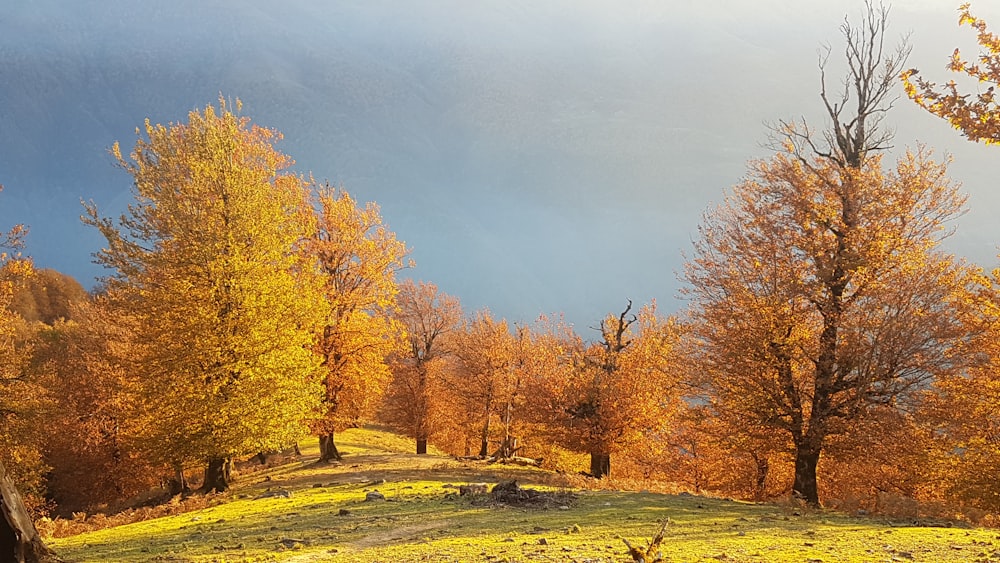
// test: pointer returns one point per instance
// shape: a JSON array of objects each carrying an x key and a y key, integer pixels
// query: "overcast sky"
[{"x": 538, "y": 156}]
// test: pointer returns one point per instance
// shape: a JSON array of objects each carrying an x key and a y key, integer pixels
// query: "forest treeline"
[{"x": 831, "y": 349}]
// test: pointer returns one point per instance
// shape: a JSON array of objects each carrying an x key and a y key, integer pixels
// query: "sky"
[{"x": 537, "y": 156}]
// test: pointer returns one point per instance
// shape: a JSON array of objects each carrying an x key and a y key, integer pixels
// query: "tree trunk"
[
  {"x": 760, "y": 486},
  {"x": 420, "y": 424},
  {"x": 507, "y": 417},
  {"x": 600, "y": 465},
  {"x": 19, "y": 540},
  {"x": 508, "y": 447},
  {"x": 218, "y": 474},
  {"x": 328, "y": 448},
  {"x": 804, "y": 487},
  {"x": 484, "y": 437},
  {"x": 178, "y": 483}
]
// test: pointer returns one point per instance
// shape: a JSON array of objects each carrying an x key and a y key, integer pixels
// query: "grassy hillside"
[{"x": 303, "y": 512}]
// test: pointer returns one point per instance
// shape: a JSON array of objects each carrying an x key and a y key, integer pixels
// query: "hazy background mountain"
[{"x": 538, "y": 156}]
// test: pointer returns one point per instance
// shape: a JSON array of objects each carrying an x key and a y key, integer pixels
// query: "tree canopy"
[{"x": 207, "y": 259}]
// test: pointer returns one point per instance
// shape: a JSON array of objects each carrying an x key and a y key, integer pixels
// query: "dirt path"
[
  {"x": 396, "y": 534},
  {"x": 403, "y": 533}
]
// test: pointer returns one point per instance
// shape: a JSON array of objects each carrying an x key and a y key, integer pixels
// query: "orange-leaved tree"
[
  {"x": 208, "y": 260},
  {"x": 962, "y": 412},
  {"x": 494, "y": 364},
  {"x": 818, "y": 287},
  {"x": 428, "y": 317},
  {"x": 963, "y": 408},
  {"x": 48, "y": 296},
  {"x": 19, "y": 540},
  {"x": 20, "y": 395},
  {"x": 819, "y": 294},
  {"x": 358, "y": 257},
  {"x": 94, "y": 447},
  {"x": 977, "y": 115},
  {"x": 617, "y": 389},
  {"x": 483, "y": 376}
]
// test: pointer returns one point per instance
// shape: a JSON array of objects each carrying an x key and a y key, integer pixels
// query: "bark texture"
[
  {"x": 19, "y": 540},
  {"x": 218, "y": 475},
  {"x": 600, "y": 464},
  {"x": 328, "y": 448}
]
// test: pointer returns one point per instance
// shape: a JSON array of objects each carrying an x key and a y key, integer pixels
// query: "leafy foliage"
[
  {"x": 94, "y": 443},
  {"x": 977, "y": 116},
  {"x": 618, "y": 389},
  {"x": 819, "y": 294},
  {"x": 206, "y": 260},
  {"x": 414, "y": 397},
  {"x": 23, "y": 398},
  {"x": 358, "y": 257},
  {"x": 47, "y": 296}
]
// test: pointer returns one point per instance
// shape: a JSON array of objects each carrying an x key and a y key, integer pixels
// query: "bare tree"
[{"x": 857, "y": 113}]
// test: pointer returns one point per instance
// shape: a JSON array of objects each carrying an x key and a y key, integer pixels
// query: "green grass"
[{"x": 422, "y": 519}]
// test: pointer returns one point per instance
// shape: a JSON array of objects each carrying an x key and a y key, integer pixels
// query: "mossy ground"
[{"x": 424, "y": 519}]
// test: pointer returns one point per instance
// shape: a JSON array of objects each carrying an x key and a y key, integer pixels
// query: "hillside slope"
[{"x": 304, "y": 512}]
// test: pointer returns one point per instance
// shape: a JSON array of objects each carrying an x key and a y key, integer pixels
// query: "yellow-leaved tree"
[
  {"x": 19, "y": 394},
  {"x": 19, "y": 540},
  {"x": 358, "y": 257},
  {"x": 208, "y": 261}
]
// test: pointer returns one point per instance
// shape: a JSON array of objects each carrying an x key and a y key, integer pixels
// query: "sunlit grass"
[{"x": 326, "y": 518}]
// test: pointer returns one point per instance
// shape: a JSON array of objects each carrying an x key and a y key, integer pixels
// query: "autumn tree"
[
  {"x": 208, "y": 261},
  {"x": 94, "y": 446},
  {"x": 358, "y": 257},
  {"x": 703, "y": 450},
  {"x": 527, "y": 361},
  {"x": 488, "y": 378},
  {"x": 47, "y": 296},
  {"x": 960, "y": 412},
  {"x": 14, "y": 272},
  {"x": 619, "y": 387},
  {"x": 19, "y": 540},
  {"x": 23, "y": 398},
  {"x": 811, "y": 318},
  {"x": 886, "y": 457},
  {"x": 428, "y": 316},
  {"x": 549, "y": 351},
  {"x": 977, "y": 115},
  {"x": 818, "y": 288},
  {"x": 962, "y": 408}
]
